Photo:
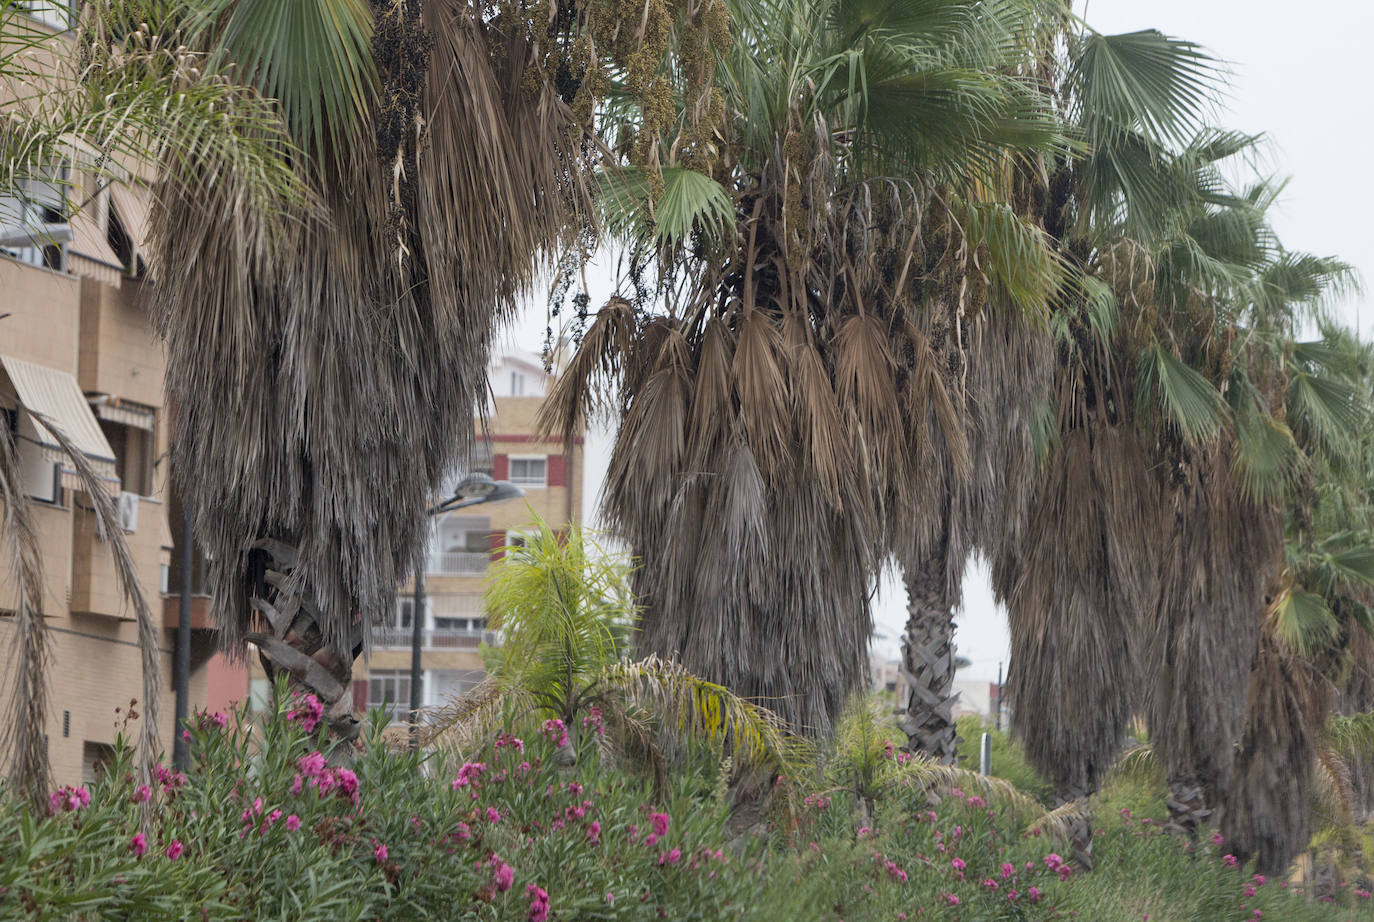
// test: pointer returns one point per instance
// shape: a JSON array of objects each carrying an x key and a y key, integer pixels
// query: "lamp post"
[{"x": 473, "y": 489}]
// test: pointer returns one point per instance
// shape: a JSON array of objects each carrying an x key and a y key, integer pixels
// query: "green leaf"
[
  {"x": 1143, "y": 81},
  {"x": 691, "y": 201},
  {"x": 1303, "y": 621},
  {"x": 314, "y": 56},
  {"x": 1186, "y": 398},
  {"x": 1267, "y": 460}
]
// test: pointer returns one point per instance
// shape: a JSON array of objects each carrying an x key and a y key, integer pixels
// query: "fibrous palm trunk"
[{"x": 928, "y": 663}]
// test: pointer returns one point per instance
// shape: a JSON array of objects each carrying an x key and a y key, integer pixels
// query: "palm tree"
[
  {"x": 325, "y": 362},
  {"x": 567, "y": 616},
  {"x": 104, "y": 116},
  {"x": 824, "y": 263},
  {"x": 1075, "y": 576}
]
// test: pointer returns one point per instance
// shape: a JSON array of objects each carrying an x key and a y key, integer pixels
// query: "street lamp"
[{"x": 471, "y": 490}]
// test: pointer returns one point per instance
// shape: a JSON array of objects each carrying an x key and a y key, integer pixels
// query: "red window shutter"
[
  {"x": 498, "y": 545},
  {"x": 557, "y": 471},
  {"x": 359, "y": 694},
  {"x": 500, "y": 467}
]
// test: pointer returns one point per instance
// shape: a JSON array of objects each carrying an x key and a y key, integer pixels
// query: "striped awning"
[
  {"x": 47, "y": 393},
  {"x": 126, "y": 414}
]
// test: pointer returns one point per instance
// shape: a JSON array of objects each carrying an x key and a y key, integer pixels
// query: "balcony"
[
  {"x": 399, "y": 638},
  {"x": 458, "y": 563}
]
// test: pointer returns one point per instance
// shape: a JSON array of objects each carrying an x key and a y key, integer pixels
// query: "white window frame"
[
  {"x": 510, "y": 475},
  {"x": 400, "y": 709}
]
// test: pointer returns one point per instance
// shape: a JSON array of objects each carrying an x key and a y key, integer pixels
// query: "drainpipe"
[{"x": 181, "y": 668}]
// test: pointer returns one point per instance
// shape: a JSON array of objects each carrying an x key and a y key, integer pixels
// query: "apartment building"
[
  {"x": 463, "y": 544},
  {"x": 77, "y": 347}
]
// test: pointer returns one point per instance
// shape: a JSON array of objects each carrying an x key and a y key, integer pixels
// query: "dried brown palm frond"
[
  {"x": 1074, "y": 588},
  {"x": 939, "y": 779},
  {"x": 24, "y": 739},
  {"x": 126, "y": 574},
  {"x": 1267, "y": 813},
  {"x": 1198, "y": 646},
  {"x": 1062, "y": 823},
  {"x": 322, "y": 387}
]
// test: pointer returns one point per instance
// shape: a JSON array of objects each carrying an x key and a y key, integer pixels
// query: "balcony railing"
[
  {"x": 391, "y": 638},
  {"x": 458, "y": 563}
]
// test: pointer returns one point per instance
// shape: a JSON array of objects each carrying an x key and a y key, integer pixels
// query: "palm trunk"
[
  {"x": 928, "y": 664},
  {"x": 295, "y": 645}
]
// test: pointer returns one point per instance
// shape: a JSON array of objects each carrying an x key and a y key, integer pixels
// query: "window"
[
  {"x": 405, "y": 606},
  {"x": 517, "y": 384},
  {"x": 481, "y": 457},
  {"x": 528, "y": 471},
  {"x": 389, "y": 690},
  {"x": 133, "y": 451}
]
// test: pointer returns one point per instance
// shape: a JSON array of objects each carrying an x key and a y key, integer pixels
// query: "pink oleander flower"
[
  {"x": 1218, "y": 838},
  {"x": 469, "y": 774},
  {"x": 651, "y": 839},
  {"x": 556, "y": 731},
  {"x": 1260, "y": 880},
  {"x": 514, "y": 742},
  {"x": 143, "y": 794},
  {"x": 1053, "y": 861},
  {"x": 379, "y": 851},
  {"x": 296, "y": 786},
  {"x": 348, "y": 783},
  {"x": 670, "y": 857},
  {"x": 864, "y": 832},
  {"x": 895, "y": 872},
  {"x": 493, "y": 815},
  {"x": 1033, "y": 894},
  {"x": 991, "y": 884},
  {"x": 1013, "y": 895},
  {"x": 1230, "y": 861},
  {"x": 504, "y": 877},
  {"x": 307, "y": 713},
  {"x": 1249, "y": 891},
  {"x": 1008, "y": 870},
  {"x": 660, "y": 822},
  {"x": 539, "y": 902},
  {"x": 174, "y": 850},
  {"x": 1259, "y": 913},
  {"x": 958, "y": 864},
  {"x": 951, "y": 899},
  {"x": 311, "y": 766},
  {"x": 634, "y": 832},
  {"x": 594, "y": 832},
  {"x": 293, "y": 822},
  {"x": 138, "y": 845}
]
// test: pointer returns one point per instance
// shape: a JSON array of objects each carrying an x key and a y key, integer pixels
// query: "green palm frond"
[
  {"x": 1303, "y": 620},
  {"x": 1351, "y": 735},
  {"x": 1185, "y": 398},
  {"x": 922, "y": 772},
  {"x": 1143, "y": 81},
  {"x": 1267, "y": 459},
  {"x": 1139, "y": 764},
  {"x": 691, "y": 203},
  {"x": 313, "y": 56}
]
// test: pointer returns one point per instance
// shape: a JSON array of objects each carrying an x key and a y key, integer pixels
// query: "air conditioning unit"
[{"x": 127, "y": 509}]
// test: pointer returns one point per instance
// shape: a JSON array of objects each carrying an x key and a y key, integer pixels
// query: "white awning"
[
  {"x": 48, "y": 392},
  {"x": 140, "y": 417}
]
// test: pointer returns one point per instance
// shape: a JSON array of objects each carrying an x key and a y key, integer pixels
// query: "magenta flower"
[
  {"x": 556, "y": 732},
  {"x": 539, "y": 902},
  {"x": 1230, "y": 861},
  {"x": 660, "y": 822},
  {"x": 1053, "y": 861},
  {"x": 348, "y": 783},
  {"x": 293, "y": 822},
  {"x": 143, "y": 794},
  {"x": 1007, "y": 870},
  {"x": 379, "y": 851},
  {"x": 174, "y": 850},
  {"x": 138, "y": 845},
  {"x": 951, "y": 899},
  {"x": 958, "y": 864},
  {"x": 651, "y": 839},
  {"x": 1249, "y": 891},
  {"x": 493, "y": 815},
  {"x": 670, "y": 857},
  {"x": 505, "y": 877},
  {"x": 307, "y": 713},
  {"x": 311, "y": 766},
  {"x": 1218, "y": 838},
  {"x": 1033, "y": 894},
  {"x": 594, "y": 832},
  {"x": 1260, "y": 880}
]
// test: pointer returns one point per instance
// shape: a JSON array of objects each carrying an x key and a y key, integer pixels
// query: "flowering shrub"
[{"x": 262, "y": 826}]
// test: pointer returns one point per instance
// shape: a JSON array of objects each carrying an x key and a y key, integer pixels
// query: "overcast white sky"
[{"x": 1298, "y": 75}]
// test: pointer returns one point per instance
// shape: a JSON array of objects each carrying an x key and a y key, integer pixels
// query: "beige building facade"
[
  {"x": 77, "y": 347},
  {"x": 465, "y": 542}
]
